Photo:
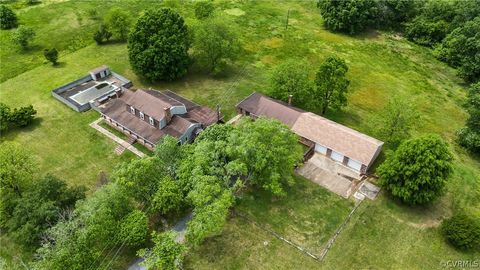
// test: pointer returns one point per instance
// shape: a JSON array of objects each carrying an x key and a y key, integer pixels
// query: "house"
[
  {"x": 95, "y": 88},
  {"x": 149, "y": 115},
  {"x": 349, "y": 147}
]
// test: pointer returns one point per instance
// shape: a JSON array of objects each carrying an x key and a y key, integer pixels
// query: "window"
[
  {"x": 132, "y": 110},
  {"x": 151, "y": 121},
  {"x": 142, "y": 116}
]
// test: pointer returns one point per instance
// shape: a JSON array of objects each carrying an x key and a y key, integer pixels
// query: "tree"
[
  {"x": 8, "y": 19},
  {"x": 461, "y": 49},
  {"x": 462, "y": 231},
  {"x": 4, "y": 117},
  {"x": 394, "y": 122},
  {"x": 166, "y": 254},
  {"x": 140, "y": 178},
  {"x": 39, "y": 208},
  {"x": 418, "y": 170},
  {"x": 331, "y": 84},
  {"x": 203, "y": 9},
  {"x": 291, "y": 78},
  {"x": 119, "y": 22},
  {"x": 350, "y": 16},
  {"x": 393, "y": 14},
  {"x": 22, "y": 116},
  {"x": 102, "y": 34},
  {"x": 269, "y": 151},
  {"x": 168, "y": 196},
  {"x": 158, "y": 45},
  {"x": 210, "y": 219},
  {"x": 23, "y": 35},
  {"x": 215, "y": 45},
  {"x": 133, "y": 229},
  {"x": 51, "y": 55},
  {"x": 169, "y": 153},
  {"x": 469, "y": 136},
  {"x": 17, "y": 169}
]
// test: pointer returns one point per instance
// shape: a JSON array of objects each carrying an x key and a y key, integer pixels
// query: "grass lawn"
[
  {"x": 307, "y": 216},
  {"x": 383, "y": 234}
]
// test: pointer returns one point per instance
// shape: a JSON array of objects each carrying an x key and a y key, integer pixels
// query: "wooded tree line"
[
  {"x": 450, "y": 27},
  {"x": 145, "y": 197}
]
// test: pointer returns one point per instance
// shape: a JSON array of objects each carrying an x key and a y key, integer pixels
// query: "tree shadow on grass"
[{"x": 13, "y": 132}]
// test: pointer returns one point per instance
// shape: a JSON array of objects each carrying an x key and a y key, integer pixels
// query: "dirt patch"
[
  {"x": 274, "y": 42},
  {"x": 234, "y": 12}
]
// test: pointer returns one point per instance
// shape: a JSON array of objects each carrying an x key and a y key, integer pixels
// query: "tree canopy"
[
  {"x": 8, "y": 18},
  {"x": 118, "y": 22},
  {"x": 51, "y": 55},
  {"x": 331, "y": 85},
  {"x": 418, "y": 170},
  {"x": 215, "y": 45},
  {"x": 469, "y": 136},
  {"x": 166, "y": 254},
  {"x": 158, "y": 45},
  {"x": 350, "y": 16},
  {"x": 291, "y": 78},
  {"x": 23, "y": 36},
  {"x": 203, "y": 9}
]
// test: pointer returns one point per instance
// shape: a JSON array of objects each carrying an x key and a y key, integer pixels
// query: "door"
[
  {"x": 357, "y": 166},
  {"x": 320, "y": 149},
  {"x": 337, "y": 156}
]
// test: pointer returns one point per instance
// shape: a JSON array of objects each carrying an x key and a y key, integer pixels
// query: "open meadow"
[{"x": 382, "y": 234}]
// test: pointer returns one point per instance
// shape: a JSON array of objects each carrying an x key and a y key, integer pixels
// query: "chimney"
[
  {"x": 168, "y": 115},
  {"x": 290, "y": 100}
]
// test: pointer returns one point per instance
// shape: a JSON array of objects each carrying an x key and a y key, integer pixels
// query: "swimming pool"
[{"x": 94, "y": 92}]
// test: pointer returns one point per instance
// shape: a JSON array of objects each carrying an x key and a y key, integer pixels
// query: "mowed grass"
[
  {"x": 308, "y": 216},
  {"x": 382, "y": 235}
]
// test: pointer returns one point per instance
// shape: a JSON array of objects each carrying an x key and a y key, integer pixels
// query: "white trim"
[
  {"x": 150, "y": 119},
  {"x": 142, "y": 116},
  {"x": 132, "y": 109}
]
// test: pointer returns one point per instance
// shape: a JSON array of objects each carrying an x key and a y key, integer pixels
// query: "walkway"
[{"x": 116, "y": 139}]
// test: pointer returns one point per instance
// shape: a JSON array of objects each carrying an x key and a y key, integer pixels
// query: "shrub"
[
  {"x": 23, "y": 36},
  {"x": 18, "y": 117},
  {"x": 158, "y": 45},
  {"x": 102, "y": 34},
  {"x": 8, "y": 19},
  {"x": 203, "y": 9},
  {"x": 418, "y": 170},
  {"x": 134, "y": 229},
  {"x": 462, "y": 231},
  {"x": 119, "y": 22},
  {"x": 51, "y": 55}
]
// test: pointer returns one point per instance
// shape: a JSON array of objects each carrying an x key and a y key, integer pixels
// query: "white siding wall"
[
  {"x": 337, "y": 156},
  {"x": 320, "y": 148},
  {"x": 357, "y": 166}
]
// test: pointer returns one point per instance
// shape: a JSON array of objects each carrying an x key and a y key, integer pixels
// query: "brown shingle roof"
[
  {"x": 150, "y": 102},
  {"x": 337, "y": 137},
  {"x": 261, "y": 105}
]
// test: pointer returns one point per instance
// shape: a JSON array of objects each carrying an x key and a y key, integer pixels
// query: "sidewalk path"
[{"x": 115, "y": 138}]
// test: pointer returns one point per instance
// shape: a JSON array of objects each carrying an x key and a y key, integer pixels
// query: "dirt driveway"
[{"x": 330, "y": 174}]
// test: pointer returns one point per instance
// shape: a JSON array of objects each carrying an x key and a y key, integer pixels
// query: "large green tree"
[
  {"x": 331, "y": 85},
  {"x": 350, "y": 16},
  {"x": 166, "y": 254},
  {"x": 469, "y": 136},
  {"x": 158, "y": 45},
  {"x": 215, "y": 45},
  {"x": 291, "y": 78},
  {"x": 8, "y": 19},
  {"x": 418, "y": 170},
  {"x": 461, "y": 49}
]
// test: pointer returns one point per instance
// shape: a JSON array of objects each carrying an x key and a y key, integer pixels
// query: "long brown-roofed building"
[
  {"x": 342, "y": 144},
  {"x": 149, "y": 115}
]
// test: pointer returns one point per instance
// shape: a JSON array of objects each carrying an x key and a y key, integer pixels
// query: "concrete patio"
[{"x": 330, "y": 174}]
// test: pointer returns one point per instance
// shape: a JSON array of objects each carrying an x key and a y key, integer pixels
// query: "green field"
[{"x": 381, "y": 235}]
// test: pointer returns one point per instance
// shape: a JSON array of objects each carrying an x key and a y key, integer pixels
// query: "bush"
[
  {"x": 23, "y": 36},
  {"x": 51, "y": 55},
  {"x": 102, "y": 34},
  {"x": 158, "y": 45},
  {"x": 462, "y": 231},
  {"x": 203, "y": 9},
  {"x": 418, "y": 170},
  {"x": 8, "y": 19},
  {"x": 18, "y": 117},
  {"x": 119, "y": 22},
  {"x": 469, "y": 139}
]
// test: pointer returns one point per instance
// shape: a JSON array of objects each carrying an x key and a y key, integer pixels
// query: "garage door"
[
  {"x": 354, "y": 164},
  {"x": 320, "y": 149},
  {"x": 337, "y": 156}
]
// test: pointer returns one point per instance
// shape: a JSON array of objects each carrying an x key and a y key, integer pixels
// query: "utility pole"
[{"x": 286, "y": 23}]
